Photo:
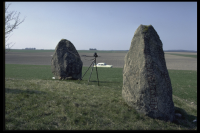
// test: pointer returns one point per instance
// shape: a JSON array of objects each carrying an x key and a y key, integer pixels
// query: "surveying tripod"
[{"x": 93, "y": 63}]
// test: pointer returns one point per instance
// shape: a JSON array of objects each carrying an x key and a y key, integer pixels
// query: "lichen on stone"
[{"x": 145, "y": 29}]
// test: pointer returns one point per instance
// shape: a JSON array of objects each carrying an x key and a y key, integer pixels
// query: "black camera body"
[{"x": 95, "y": 54}]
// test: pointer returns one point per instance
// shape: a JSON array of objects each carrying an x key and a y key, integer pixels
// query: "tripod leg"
[
  {"x": 91, "y": 72},
  {"x": 97, "y": 72},
  {"x": 86, "y": 71}
]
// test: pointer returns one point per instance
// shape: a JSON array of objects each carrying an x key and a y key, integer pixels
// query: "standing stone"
[
  {"x": 146, "y": 82},
  {"x": 66, "y": 62}
]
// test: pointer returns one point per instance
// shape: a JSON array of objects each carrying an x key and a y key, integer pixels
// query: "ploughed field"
[{"x": 174, "y": 60}]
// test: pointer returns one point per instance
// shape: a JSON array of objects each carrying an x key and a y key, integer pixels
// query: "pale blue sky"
[{"x": 104, "y": 25}]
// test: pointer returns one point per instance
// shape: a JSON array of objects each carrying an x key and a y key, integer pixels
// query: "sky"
[{"x": 103, "y": 25}]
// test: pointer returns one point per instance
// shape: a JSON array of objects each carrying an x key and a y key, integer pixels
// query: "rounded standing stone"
[{"x": 66, "y": 62}]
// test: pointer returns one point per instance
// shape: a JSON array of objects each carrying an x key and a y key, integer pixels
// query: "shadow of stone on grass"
[
  {"x": 18, "y": 91},
  {"x": 186, "y": 119},
  {"x": 104, "y": 81}
]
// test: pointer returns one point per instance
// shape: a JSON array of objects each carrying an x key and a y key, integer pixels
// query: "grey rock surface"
[
  {"x": 66, "y": 62},
  {"x": 146, "y": 82}
]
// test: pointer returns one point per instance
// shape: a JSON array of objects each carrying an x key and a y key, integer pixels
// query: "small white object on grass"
[
  {"x": 53, "y": 77},
  {"x": 195, "y": 120}
]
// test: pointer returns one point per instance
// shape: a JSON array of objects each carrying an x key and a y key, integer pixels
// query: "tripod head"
[{"x": 95, "y": 55}]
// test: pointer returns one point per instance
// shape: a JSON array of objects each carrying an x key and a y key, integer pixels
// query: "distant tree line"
[
  {"x": 30, "y": 48},
  {"x": 92, "y": 49}
]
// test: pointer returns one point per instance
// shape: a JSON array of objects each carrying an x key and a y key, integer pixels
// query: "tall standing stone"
[
  {"x": 146, "y": 82},
  {"x": 66, "y": 62}
]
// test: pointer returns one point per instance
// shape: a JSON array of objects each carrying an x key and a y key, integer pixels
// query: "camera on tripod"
[
  {"x": 95, "y": 54},
  {"x": 92, "y": 64}
]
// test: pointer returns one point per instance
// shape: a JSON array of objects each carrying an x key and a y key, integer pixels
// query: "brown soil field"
[
  {"x": 116, "y": 59},
  {"x": 186, "y": 53}
]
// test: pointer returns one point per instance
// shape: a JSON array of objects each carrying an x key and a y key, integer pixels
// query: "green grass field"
[{"x": 34, "y": 101}]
